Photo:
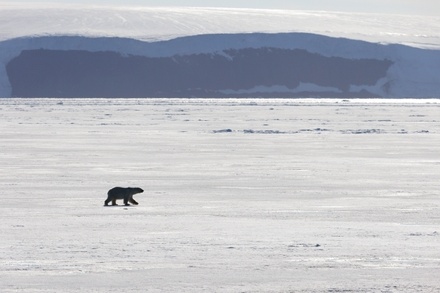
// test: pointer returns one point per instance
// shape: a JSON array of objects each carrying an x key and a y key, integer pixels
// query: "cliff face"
[
  {"x": 235, "y": 65},
  {"x": 234, "y": 72}
]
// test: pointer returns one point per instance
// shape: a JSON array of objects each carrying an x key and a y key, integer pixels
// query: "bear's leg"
[
  {"x": 133, "y": 201},
  {"x": 126, "y": 201},
  {"x": 114, "y": 202},
  {"x": 107, "y": 201}
]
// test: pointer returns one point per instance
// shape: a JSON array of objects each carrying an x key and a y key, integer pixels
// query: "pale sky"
[{"x": 411, "y": 7}]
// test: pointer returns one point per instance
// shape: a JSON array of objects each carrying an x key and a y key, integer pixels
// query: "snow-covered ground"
[
  {"x": 240, "y": 195},
  {"x": 164, "y": 23}
]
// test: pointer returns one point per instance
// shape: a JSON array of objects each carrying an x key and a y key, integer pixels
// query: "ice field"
[{"x": 240, "y": 195}]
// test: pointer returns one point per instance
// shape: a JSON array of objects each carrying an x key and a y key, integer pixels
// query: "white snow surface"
[
  {"x": 163, "y": 23},
  {"x": 240, "y": 195},
  {"x": 303, "y": 87}
]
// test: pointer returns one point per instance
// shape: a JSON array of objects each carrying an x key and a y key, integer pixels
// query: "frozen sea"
[{"x": 241, "y": 195}]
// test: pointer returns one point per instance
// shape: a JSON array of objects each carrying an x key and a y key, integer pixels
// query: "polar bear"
[{"x": 125, "y": 193}]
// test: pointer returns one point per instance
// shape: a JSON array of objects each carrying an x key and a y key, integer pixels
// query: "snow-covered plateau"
[
  {"x": 77, "y": 51},
  {"x": 241, "y": 195}
]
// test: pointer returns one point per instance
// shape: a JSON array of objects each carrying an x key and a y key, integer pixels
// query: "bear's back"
[
  {"x": 122, "y": 191},
  {"x": 117, "y": 191}
]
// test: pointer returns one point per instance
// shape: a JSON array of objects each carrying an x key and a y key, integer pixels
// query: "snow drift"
[{"x": 179, "y": 61}]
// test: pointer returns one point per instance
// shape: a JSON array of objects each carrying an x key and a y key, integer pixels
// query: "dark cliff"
[{"x": 56, "y": 73}]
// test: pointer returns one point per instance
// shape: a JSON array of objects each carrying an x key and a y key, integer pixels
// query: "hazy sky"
[{"x": 424, "y": 7}]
